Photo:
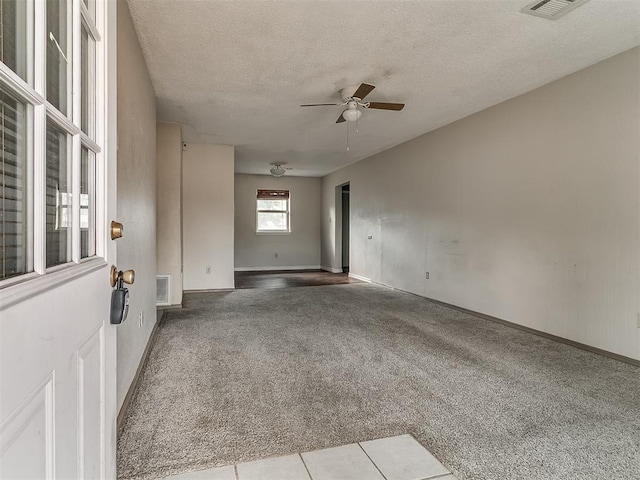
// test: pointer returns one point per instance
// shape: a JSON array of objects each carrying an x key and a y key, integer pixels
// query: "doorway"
[{"x": 345, "y": 228}]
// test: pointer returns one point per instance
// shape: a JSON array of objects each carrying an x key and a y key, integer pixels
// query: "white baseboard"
[
  {"x": 360, "y": 277},
  {"x": 176, "y": 306},
  {"x": 122, "y": 413},
  {"x": 331, "y": 269},
  {"x": 211, "y": 290},
  {"x": 279, "y": 267}
]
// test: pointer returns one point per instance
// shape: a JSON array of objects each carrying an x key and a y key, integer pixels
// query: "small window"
[
  {"x": 59, "y": 198},
  {"x": 273, "y": 208},
  {"x": 13, "y": 36},
  {"x": 57, "y": 55},
  {"x": 87, "y": 203},
  {"x": 14, "y": 240}
]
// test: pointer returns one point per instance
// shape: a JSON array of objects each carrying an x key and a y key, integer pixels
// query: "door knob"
[{"x": 128, "y": 276}]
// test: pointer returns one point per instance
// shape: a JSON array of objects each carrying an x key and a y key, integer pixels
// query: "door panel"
[
  {"x": 28, "y": 433},
  {"x": 64, "y": 337},
  {"x": 90, "y": 397}
]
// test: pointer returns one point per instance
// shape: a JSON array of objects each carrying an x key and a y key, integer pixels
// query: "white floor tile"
[
  {"x": 348, "y": 462},
  {"x": 403, "y": 458},
  {"x": 398, "y": 458},
  {"x": 221, "y": 473},
  {"x": 280, "y": 468}
]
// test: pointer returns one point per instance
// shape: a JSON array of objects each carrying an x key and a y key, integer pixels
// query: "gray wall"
[
  {"x": 136, "y": 197},
  {"x": 528, "y": 211},
  {"x": 169, "y": 205},
  {"x": 207, "y": 216},
  {"x": 300, "y": 248}
]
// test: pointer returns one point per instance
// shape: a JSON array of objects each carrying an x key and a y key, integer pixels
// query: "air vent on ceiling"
[
  {"x": 552, "y": 9},
  {"x": 163, "y": 289}
]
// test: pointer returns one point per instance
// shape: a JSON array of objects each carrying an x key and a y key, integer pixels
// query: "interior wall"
[
  {"x": 207, "y": 216},
  {"x": 169, "y": 206},
  {"x": 136, "y": 197},
  {"x": 299, "y": 249},
  {"x": 528, "y": 211}
]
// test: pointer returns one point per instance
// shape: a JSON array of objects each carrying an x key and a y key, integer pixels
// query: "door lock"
[
  {"x": 120, "y": 294},
  {"x": 117, "y": 230}
]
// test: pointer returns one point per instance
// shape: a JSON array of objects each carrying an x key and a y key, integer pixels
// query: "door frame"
[{"x": 337, "y": 268}]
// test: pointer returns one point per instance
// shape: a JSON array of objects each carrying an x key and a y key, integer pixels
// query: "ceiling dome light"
[
  {"x": 351, "y": 115},
  {"x": 277, "y": 170}
]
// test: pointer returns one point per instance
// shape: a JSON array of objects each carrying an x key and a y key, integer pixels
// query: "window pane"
[
  {"x": 13, "y": 211},
  {"x": 272, "y": 205},
  {"x": 91, "y": 6},
  {"x": 59, "y": 205},
  {"x": 13, "y": 35},
  {"x": 86, "y": 94},
  {"x": 87, "y": 204},
  {"x": 272, "y": 221},
  {"x": 57, "y": 54}
]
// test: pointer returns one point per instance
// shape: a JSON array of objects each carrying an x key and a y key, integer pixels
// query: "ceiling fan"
[
  {"x": 352, "y": 99},
  {"x": 278, "y": 169}
]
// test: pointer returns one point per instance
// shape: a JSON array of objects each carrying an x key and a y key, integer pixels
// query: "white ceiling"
[{"x": 235, "y": 72}]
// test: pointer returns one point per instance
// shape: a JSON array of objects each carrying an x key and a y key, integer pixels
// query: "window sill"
[
  {"x": 32, "y": 284},
  {"x": 273, "y": 233}
]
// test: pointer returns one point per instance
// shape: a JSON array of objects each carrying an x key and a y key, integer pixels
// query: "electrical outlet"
[
  {"x": 208, "y": 270},
  {"x": 427, "y": 275},
  {"x": 141, "y": 318}
]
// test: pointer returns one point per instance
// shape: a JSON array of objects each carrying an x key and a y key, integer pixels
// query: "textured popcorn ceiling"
[{"x": 235, "y": 72}]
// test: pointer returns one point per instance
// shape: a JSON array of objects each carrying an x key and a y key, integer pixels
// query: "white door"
[{"x": 57, "y": 347}]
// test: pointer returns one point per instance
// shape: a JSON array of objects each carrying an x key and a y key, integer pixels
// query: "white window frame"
[
  {"x": 39, "y": 110},
  {"x": 274, "y": 232}
]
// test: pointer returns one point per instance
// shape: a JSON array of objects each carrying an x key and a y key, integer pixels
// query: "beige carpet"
[{"x": 251, "y": 374}]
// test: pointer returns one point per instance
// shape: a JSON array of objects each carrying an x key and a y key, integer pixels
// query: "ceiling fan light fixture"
[
  {"x": 351, "y": 114},
  {"x": 352, "y": 98},
  {"x": 277, "y": 170}
]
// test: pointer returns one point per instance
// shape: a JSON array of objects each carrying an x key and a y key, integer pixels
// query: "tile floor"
[{"x": 394, "y": 458}]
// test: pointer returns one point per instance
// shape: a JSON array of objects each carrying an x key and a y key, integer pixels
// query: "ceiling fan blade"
[
  {"x": 319, "y": 104},
  {"x": 386, "y": 106},
  {"x": 341, "y": 118},
  {"x": 363, "y": 90}
]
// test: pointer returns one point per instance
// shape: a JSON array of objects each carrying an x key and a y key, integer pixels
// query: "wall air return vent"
[
  {"x": 552, "y": 9},
  {"x": 163, "y": 290}
]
